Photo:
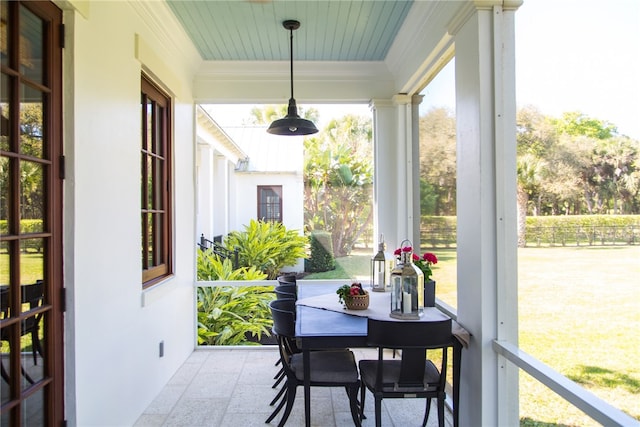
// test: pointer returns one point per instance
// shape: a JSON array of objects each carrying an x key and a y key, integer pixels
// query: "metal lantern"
[
  {"x": 381, "y": 265},
  {"x": 407, "y": 287}
]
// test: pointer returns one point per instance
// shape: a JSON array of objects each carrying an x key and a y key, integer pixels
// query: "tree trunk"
[{"x": 523, "y": 200}]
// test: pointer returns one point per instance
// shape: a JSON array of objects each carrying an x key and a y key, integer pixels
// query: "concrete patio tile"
[
  {"x": 150, "y": 420},
  {"x": 197, "y": 412},
  {"x": 185, "y": 374},
  {"x": 252, "y": 399},
  {"x": 199, "y": 356},
  {"x": 225, "y": 361},
  {"x": 211, "y": 385},
  {"x": 166, "y": 400}
]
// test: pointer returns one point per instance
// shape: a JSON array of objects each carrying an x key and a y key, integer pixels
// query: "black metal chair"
[
  {"x": 331, "y": 368},
  {"x": 33, "y": 295},
  {"x": 413, "y": 375},
  {"x": 286, "y": 292}
]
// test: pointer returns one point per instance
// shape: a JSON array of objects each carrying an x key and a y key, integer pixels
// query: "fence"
[
  {"x": 602, "y": 235},
  {"x": 540, "y": 236}
]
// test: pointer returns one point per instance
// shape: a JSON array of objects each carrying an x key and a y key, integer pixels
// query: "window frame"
[
  {"x": 262, "y": 207},
  {"x": 156, "y": 148}
]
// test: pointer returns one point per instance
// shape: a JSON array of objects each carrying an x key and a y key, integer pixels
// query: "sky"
[{"x": 571, "y": 55}]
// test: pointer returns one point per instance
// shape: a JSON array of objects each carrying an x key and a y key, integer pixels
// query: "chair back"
[
  {"x": 413, "y": 338},
  {"x": 285, "y": 292},
  {"x": 286, "y": 279},
  {"x": 406, "y": 334},
  {"x": 283, "y": 313},
  {"x": 289, "y": 288}
]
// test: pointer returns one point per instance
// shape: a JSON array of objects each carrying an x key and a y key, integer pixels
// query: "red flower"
[
  {"x": 430, "y": 258},
  {"x": 407, "y": 249},
  {"x": 415, "y": 257},
  {"x": 397, "y": 252}
]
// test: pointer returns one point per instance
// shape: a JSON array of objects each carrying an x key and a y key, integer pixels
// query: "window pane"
[
  {"x": 31, "y": 261},
  {"x": 31, "y": 197},
  {"x": 4, "y": 34},
  {"x": 269, "y": 203},
  {"x": 5, "y": 195},
  {"x": 158, "y": 174},
  {"x": 158, "y": 135},
  {"x": 31, "y": 42},
  {"x": 31, "y": 346},
  {"x": 31, "y": 121},
  {"x": 5, "y": 265},
  {"x": 33, "y": 410},
  {"x": 144, "y": 246},
  {"x": 147, "y": 144},
  {"x": 149, "y": 180},
  {"x": 159, "y": 236},
  {"x": 150, "y": 241},
  {"x": 5, "y": 128}
]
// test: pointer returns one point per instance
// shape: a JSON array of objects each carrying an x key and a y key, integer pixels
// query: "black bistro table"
[{"x": 321, "y": 325}]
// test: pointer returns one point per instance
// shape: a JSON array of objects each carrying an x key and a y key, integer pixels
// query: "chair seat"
[
  {"x": 331, "y": 366},
  {"x": 368, "y": 370}
]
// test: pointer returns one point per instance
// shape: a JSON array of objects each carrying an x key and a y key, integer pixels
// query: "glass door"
[{"x": 31, "y": 387}]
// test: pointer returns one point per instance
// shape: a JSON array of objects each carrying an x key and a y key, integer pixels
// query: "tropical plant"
[
  {"x": 338, "y": 177},
  {"x": 211, "y": 267},
  {"x": 230, "y": 315},
  {"x": 267, "y": 246}
]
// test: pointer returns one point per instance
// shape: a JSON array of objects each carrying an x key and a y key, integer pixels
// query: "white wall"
[{"x": 113, "y": 329}]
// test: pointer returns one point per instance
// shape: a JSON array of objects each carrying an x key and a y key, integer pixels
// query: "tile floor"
[{"x": 232, "y": 388}]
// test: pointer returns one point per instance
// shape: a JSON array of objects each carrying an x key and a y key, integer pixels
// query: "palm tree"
[{"x": 529, "y": 169}]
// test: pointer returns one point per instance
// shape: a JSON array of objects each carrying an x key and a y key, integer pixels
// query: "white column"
[
  {"x": 396, "y": 170},
  {"x": 205, "y": 188},
  {"x": 385, "y": 174},
  {"x": 416, "y": 100},
  {"x": 404, "y": 199},
  {"x": 486, "y": 209}
]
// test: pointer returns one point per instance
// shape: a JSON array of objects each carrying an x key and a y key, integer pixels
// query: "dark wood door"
[{"x": 31, "y": 283}]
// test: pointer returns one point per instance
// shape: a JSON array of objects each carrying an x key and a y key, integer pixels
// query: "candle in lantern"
[{"x": 406, "y": 302}]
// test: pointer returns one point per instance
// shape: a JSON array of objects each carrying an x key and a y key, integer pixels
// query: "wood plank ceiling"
[{"x": 331, "y": 30}]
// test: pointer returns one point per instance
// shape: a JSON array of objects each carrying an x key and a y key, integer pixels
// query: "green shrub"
[
  {"x": 321, "y": 258},
  {"x": 228, "y": 314},
  {"x": 26, "y": 226},
  {"x": 267, "y": 246},
  {"x": 210, "y": 267}
]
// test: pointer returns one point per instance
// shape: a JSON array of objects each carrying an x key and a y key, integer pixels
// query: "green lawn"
[{"x": 579, "y": 312}]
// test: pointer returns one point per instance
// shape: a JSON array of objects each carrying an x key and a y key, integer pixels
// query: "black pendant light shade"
[{"x": 292, "y": 123}]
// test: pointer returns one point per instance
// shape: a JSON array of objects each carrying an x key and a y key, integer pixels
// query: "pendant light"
[{"x": 292, "y": 123}]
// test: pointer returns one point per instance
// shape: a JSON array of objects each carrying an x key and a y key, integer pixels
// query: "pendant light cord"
[{"x": 291, "y": 59}]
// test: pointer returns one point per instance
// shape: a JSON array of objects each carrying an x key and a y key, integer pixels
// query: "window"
[
  {"x": 156, "y": 184},
  {"x": 270, "y": 203}
]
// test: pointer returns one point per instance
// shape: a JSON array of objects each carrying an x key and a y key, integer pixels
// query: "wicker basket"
[{"x": 358, "y": 302}]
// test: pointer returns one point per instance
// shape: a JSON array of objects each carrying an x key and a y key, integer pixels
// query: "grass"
[
  {"x": 31, "y": 267},
  {"x": 579, "y": 311}
]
